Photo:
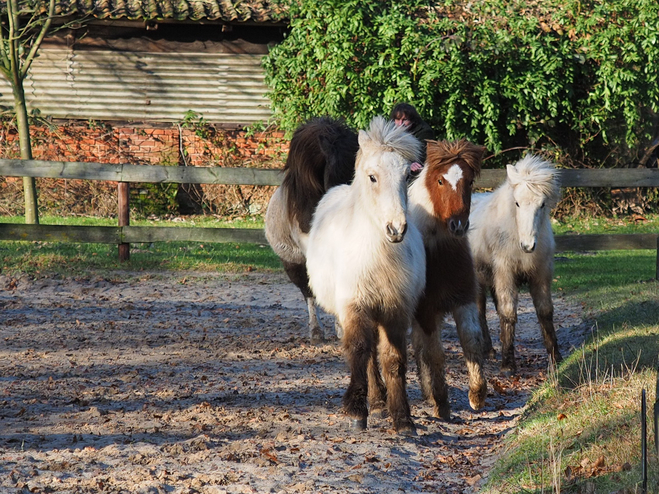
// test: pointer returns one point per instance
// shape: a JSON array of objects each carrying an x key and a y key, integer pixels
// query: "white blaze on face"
[{"x": 453, "y": 176}]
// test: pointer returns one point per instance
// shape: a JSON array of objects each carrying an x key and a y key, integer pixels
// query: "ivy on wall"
[{"x": 575, "y": 77}]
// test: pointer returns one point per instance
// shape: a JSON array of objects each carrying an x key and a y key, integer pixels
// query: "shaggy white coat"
[
  {"x": 510, "y": 228},
  {"x": 350, "y": 261}
]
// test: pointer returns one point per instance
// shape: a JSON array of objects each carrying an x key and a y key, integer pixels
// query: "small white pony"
[
  {"x": 366, "y": 266},
  {"x": 512, "y": 243}
]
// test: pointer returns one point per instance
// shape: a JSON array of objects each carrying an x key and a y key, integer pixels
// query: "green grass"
[
  {"x": 648, "y": 223},
  {"x": 581, "y": 432},
  {"x": 189, "y": 221},
  {"x": 46, "y": 258}
]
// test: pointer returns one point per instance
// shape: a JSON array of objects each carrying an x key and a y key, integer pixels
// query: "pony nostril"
[
  {"x": 528, "y": 248},
  {"x": 467, "y": 225},
  {"x": 395, "y": 235},
  {"x": 457, "y": 228}
]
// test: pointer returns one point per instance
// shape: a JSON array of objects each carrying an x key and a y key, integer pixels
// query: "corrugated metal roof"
[
  {"x": 260, "y": 11},
  {"x": 110, "y": 85}
]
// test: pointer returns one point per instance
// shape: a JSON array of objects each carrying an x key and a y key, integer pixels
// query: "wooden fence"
[{"x": 124, "y": 234}]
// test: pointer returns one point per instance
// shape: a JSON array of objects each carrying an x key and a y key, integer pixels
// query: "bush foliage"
[{"x": 577, "y": 77}]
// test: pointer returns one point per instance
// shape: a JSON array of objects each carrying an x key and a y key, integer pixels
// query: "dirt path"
[{"x": 207, "y": 384}]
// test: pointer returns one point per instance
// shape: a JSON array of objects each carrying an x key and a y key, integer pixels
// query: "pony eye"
[
  {"x": 516, "y": 203},
  {"x": 440, "y": 182},
  {"x": 373, "y": 179}
]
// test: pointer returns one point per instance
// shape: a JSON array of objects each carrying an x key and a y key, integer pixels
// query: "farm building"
[
  {"x": 155, "y": 61},
  {"x": 165, "y": 82}
]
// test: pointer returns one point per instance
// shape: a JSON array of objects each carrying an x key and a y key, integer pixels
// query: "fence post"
[
  {"x": 123, "y": 193},
  {"x": 644, "y": 445},
  {"x": 656, "y": 274}
]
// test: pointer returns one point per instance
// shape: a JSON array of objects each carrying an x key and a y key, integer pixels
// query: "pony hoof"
[
  {"x": 317, "y": 338},
  {"x": 477, "y": 397},
  {"x": 380, "y": 413},
  {"x": 407, "y": 430},
  {"x": 358, "y": 424},
  {"x": 443, "y": 412},
  {"x": 509, "y": 371}
]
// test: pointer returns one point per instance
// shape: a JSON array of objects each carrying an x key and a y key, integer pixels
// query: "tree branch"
[{"x": 37, "y": 42}]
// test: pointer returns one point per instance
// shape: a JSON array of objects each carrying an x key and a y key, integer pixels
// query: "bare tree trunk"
[
  {"x": 23, "y": 124},
  {"x": 18, "y": 48}
]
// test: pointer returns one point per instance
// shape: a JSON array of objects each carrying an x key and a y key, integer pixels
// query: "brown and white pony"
[
  {"x": 321, "y": 155},
  {"x": 366, "y": 266},
  {"x": 439, "y": 202}
]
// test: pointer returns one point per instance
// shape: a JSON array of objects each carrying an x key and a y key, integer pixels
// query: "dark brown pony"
[
  {"x": 321, "y": 155},
  {"x": 440, "y": 201}
]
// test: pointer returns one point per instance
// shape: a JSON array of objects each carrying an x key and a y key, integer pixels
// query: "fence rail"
[
  {"x": 611, "y": 177},
  {"x": 126, "y": 173}
]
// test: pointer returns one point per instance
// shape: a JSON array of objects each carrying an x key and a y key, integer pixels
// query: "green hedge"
[{"x": 579, "y": 77}]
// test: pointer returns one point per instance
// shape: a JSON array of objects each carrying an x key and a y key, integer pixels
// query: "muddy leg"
[
  {"x": 297, "y": 273},
  {"x": 430, "y": 361},
  {"x": 488, "y": 349},
  {"x": 392, "y": 351},
  {"x": 540, "y": 290},
  {"x": 377, "y": 392},
  {"x": 359, "y": 346},
  {"x": 471, "y": 339},
  {"x": 507, "y": 297}
]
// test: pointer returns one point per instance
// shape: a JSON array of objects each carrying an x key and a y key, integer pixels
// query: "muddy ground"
[{"x": 187, "y": 383}]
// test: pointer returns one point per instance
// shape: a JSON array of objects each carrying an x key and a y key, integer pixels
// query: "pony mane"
[
  {"x": 385, "y": 136},
  {"x": 444, "y": 152},
  {"x": 538, "y": 174}
]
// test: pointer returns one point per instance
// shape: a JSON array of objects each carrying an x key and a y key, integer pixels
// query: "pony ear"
[
  {"x": 363, "y": 138},
  {"x": 513, "y": 174}
]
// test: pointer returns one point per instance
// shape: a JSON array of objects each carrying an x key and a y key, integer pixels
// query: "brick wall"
[{"x": 140, "y": 144}]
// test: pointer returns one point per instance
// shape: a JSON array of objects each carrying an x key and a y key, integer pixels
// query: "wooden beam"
[
  {"x": 123, "y": 216},
  {"x": 606, "y": 242},
  {"x": 128, "y": 234},
  {"x": 605, "y": 177},
  {"x": 58, "y": 233},
  {"x": 140, "y": 234},
  {"x": 139, "y": 173}
]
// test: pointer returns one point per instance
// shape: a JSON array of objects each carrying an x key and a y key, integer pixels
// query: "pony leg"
[
  {"x": 359, "y": 347},
  {"x": 481, "y": 300},
  {"x": 469, "y": 332},
  {"x": 297, "y": 273},
  {"x": 507, "y": 296},
  {"x": 431, "y": 363},
  {"x": 540, "y": 290},
  {"x": 377, "y": 391},
  {"x": 392, "y": 350}
]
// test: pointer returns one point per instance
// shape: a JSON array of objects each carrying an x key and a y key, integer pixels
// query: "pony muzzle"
[
  {"x": 528, "y": 247},
  {"x": 457, "y": 227},
  {"x": 395, "y": 233}
]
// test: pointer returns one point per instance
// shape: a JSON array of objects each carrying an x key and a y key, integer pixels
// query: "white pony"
[
  {"x": 512, "y": 243},
  {"x": 366, "y": 266}
]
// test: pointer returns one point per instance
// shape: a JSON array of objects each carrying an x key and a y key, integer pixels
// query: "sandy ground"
[{"x": 184, "y": 384}]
